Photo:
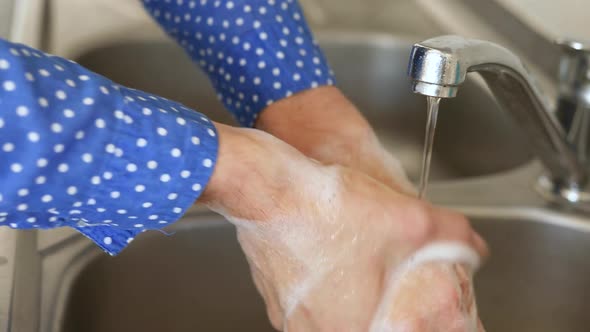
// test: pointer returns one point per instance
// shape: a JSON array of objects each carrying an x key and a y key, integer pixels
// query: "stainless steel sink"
[
  {"x": 198, "y": 280},
  {"x": 537, "y": 279},
  {"x": 371, "y": 69}
]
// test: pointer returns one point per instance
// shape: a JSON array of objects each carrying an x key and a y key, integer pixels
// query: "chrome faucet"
[
  {"x": 438, "y": 67},
  {"x": 574, "y": 95}
]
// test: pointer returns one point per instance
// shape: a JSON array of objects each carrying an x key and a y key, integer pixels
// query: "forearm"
[{"x": 315, "y": 119}]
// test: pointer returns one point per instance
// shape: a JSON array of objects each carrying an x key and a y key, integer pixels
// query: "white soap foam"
[
  {"x": 297, "y": 231},
  {"x": 448, "y": 252}
]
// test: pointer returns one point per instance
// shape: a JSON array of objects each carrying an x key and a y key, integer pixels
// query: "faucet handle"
[
  {"x": 574, "y": 45},
  {"x": 573, "y": 108},
  {"x": 574, "y": 66}
]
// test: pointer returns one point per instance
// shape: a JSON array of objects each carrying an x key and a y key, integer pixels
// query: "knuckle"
[
  {"x": 461, "y": 220},
  {"x": 464, "y": 230},
  {"x": 458, "y": 226},
  {"x": 420, "y": 226}
]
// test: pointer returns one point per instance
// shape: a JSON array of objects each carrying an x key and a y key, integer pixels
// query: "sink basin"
[
  {"x": 536, "y": 280},
  {"x": 474, "y": 136},
  {"x": 198, "y": 280}
]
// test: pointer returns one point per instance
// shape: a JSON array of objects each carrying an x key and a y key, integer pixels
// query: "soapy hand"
[
  {"x": 325, "y": 126},
  {"x": 436, "y": 296},
  {"x": 332, "y": 249}
]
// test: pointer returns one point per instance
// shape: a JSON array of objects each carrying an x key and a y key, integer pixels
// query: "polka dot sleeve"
[
  {"x": 254, "y": 51},
  {"x": 78, "y": 150}
]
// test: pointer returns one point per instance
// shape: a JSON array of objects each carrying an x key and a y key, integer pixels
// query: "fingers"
[
  {"x": 273, "y": 308},
  {"x": 450, "y": 225},
  {"x": 480, "y": 245},
  {"x": 422, "y": 224},
  {"x": 434, "y": 296},
  {"x": 465, "y": 283}
]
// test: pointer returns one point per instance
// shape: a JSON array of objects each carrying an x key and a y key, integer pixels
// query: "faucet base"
[{"x": 566, "y": 194}]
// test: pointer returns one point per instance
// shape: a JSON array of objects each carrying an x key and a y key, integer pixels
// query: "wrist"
[
  {"x": 324, "y": 125},
  {"x": 233, "y": 159},
  {"x": 251, "y": 176},
  {"x": 316, "y": 119}
]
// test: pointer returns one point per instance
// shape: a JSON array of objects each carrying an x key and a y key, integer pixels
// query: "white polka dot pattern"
[
  {"x": 255, "y": 52},
  {"x": 74, "y": 154}
]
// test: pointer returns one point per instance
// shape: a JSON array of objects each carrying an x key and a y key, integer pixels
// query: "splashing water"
[{"x": 433, "y": 103}]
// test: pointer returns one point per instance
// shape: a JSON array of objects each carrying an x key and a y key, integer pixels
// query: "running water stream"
[{"x": 433, "y": 103}]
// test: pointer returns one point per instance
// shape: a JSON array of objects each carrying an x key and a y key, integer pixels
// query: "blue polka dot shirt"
[{"x": 78, "y": 150}]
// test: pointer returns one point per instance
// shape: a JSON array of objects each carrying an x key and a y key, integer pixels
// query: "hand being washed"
[
  {"x": 332, "y": 249},
  {"x": 324, "y": 125}
]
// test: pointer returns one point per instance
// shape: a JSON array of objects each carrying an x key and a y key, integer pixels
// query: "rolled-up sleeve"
[{"x": 80, "y": 151}]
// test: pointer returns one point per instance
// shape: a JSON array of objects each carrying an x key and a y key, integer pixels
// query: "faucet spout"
[{"x": 438, "y": 67}]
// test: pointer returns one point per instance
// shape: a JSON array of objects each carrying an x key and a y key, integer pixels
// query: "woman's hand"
[
  {"x": 332, "y": 249},
  {"x": 324, "y": 125}
]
